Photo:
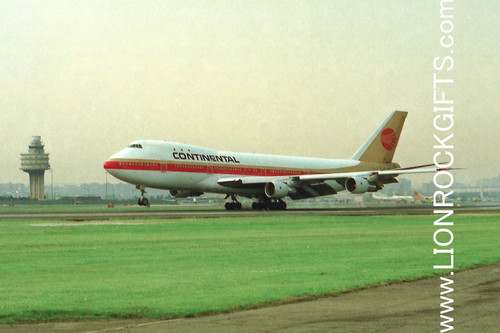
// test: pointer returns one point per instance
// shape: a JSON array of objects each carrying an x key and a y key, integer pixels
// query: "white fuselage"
[{"x": 177, "y": 166}]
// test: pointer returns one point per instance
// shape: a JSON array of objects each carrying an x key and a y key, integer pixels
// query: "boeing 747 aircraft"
[
  {"x": 418, "y": 197},
  {"x": 394, "y": 198},
  {"x": 190, "y": 171}
]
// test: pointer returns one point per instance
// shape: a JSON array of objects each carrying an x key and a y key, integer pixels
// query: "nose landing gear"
[{"x": 142, "y": 200}]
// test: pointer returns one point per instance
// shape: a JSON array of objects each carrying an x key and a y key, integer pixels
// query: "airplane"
[
  {"x": 394, "y": 197},
  {"x": 190, "y": 171},
  {"x": 418, "y": 197}
]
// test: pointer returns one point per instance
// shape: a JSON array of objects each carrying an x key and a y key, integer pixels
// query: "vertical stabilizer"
[{"x": 380, "y": 147}]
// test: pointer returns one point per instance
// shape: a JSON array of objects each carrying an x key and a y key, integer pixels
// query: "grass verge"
[{"x": 194, "y": 266}]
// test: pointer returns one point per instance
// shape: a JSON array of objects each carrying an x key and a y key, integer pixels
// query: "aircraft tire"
[
  {"x": 143, "y": 202},
  {"x": 233, "y": 206}
]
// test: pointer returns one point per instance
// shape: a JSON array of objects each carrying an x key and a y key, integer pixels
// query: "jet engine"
[
  {"x": 360, "y": 185},
  {"x": 278, "y": 190},
  {"x": 179, "y": 194}
]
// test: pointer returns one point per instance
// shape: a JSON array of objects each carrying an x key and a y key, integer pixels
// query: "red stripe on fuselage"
[
  {"x": 132, "y": 165},
  {"x": 225, "y": 169}
]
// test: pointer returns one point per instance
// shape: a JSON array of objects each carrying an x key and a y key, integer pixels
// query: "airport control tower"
[{"x": 35, "y": 162}]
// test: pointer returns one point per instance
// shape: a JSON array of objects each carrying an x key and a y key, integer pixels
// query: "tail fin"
[
  {"x": 417, "y": 196},
  {"x": 380, "y": 147}
]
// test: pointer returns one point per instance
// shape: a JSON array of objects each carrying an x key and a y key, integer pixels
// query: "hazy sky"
[{"x": 306, "y": 78}]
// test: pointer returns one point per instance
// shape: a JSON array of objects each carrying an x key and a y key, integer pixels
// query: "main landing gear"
[
  {"x": 268, "y": 204},
  {"x": 264, "y": 203},
  {"x": 235, "y": 205},
  {"x": 142, "y": 200}
]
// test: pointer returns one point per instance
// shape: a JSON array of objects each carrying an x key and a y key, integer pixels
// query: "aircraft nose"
[
  {"x": 110, "y": 165},
  {"x": 107, "y": 165}
]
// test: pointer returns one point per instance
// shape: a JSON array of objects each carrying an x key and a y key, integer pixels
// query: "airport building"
[{"x": 35, "y": 163}]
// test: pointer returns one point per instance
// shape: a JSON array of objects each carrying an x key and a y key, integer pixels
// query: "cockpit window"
[{"x": 135, "y": 145}]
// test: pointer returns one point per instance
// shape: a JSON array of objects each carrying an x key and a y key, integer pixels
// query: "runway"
[{"x": 142, "y": 213}]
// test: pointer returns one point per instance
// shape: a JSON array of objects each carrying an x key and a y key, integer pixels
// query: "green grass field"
[{"x": 173, "y": 268}]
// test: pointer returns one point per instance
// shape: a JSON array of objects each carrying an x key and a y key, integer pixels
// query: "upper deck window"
[{"x": 135, "y": 145}]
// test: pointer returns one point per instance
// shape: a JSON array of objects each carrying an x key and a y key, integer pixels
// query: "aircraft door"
[{"x": 163, "y": 166}]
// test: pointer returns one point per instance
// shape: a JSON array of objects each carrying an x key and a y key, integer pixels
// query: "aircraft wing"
[
  {"x": 309, "y": 186},
  {"x": 372, "y": 175}
]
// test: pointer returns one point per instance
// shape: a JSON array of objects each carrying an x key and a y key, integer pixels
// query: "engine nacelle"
[
  {"x": 360, "y": 185},
  {"x": 179, "y": 194},
  {"x": 278, "y": 190}
]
